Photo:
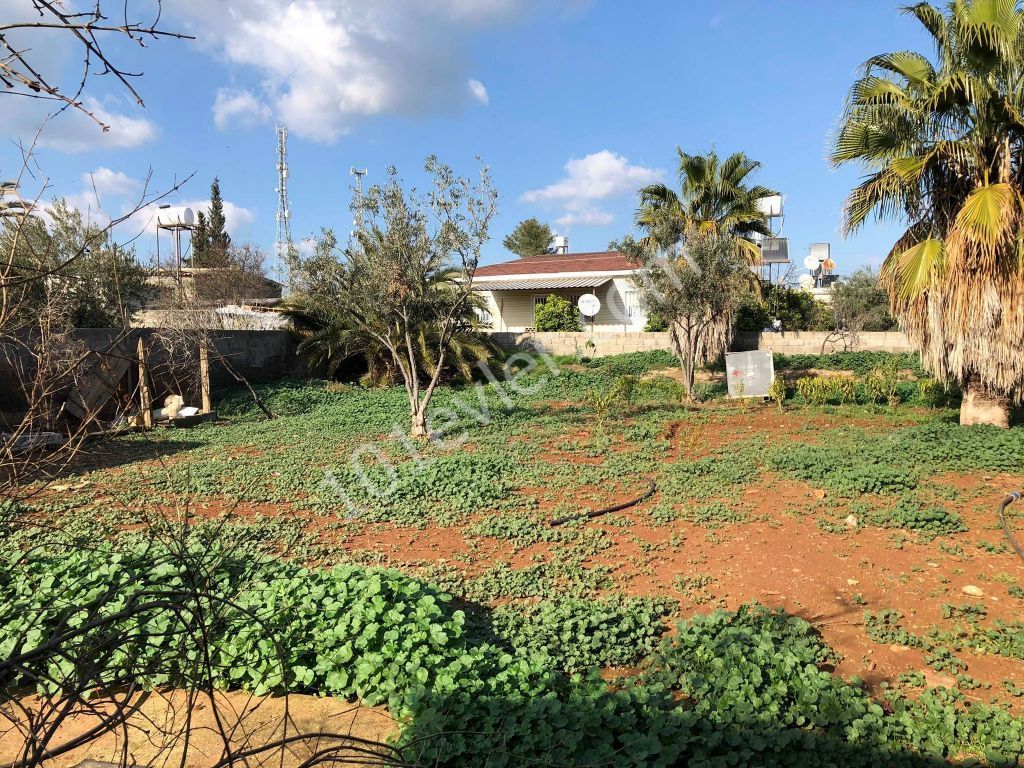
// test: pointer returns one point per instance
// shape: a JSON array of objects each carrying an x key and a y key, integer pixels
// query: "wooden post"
[
  {"x": 204, "y": 373},
  {"x": 145, "y": 402}
]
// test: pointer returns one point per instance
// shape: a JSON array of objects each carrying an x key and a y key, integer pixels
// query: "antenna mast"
[
  {"x": 358, "y": 173},
  {"x": 283, "y": 247}
]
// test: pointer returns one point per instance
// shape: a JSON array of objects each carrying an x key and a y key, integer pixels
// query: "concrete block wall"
[
  {"x": 819, "y": 342},
  {"x": 793, "y": 343},
  {"x": 604, "y": 343}
]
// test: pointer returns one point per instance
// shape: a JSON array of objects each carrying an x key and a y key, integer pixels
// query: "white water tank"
[
  {"x": 174, "y": 216},
  {"x": 770, "y": 206}
]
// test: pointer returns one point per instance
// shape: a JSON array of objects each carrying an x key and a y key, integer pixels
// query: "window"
[
  {"x": 483, "y": 314},
  {"x": 634, "y": 312}
]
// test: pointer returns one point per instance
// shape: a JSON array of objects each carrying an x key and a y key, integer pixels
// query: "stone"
[
  {"x": 852, "y": 582},
  {"x": 973, "y": 591},
  {"x": 851, "y": 521}
]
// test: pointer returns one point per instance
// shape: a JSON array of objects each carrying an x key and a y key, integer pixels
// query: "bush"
[
  {"x": 882, "y": 383},
  {"x": 821, "y": 390},
  {"x": 778, "y": 391},
  {"x": 703, "y": 391},
  {"x": 861, "y": 363},
  {"x": 934, "y": 394},
  {"x": 556, "y": 314}
]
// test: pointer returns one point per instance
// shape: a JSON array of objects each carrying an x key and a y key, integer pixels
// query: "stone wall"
[{"x": 793, "y": 343}]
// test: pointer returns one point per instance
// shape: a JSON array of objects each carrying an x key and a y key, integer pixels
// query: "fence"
[{"x": 792, "y": 343}]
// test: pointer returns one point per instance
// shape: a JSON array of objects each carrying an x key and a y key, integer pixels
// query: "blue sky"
[{"x": 574, "y": 105}]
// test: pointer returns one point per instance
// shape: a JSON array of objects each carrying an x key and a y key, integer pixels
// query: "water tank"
[
  {"x": 175, "y": 216},
  {"x": 770, "y": 206},
  {"x": 820, "y": 251}
]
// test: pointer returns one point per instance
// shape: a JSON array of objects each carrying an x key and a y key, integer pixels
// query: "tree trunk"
[
  {"x": 979, "y": 406},
  {"x": 419, "y": 423}
]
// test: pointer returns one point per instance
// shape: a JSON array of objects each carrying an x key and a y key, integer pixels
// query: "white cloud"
[
  {"x": 108, "y": 182},
  {"x": 72, "y": 131},
  {"x": 479, "y": 92},
  {"x": 322, "y": 65},
  {"x": 239, "y": 109},
  {"x": 595, "y": 177},
  {"x": 598, "y": 176},
  {"x": 587, "y": 217}
]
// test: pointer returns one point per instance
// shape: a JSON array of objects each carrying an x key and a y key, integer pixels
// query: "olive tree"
[
  {"x": 406, "y": 280},
  {"x": 696, "y": 290}
]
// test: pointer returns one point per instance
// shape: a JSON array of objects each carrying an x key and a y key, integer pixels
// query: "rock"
[
  {"x": 819, "y": 493},
  {"x": 851, "y": 521},
  {"x": 932, "y": 565},
  {"x": 973, "y": 591},
  {"x": 852, "y": 582}
]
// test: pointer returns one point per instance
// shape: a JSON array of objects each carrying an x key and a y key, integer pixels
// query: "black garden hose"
[
  {"x": 615, "y": 508},
  {"x": 1006, "y": 528}
]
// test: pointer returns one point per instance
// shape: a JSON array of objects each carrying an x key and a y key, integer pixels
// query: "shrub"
[
  {"x": 934, "y": 394},
  {"x": 703, "y": 391},
  {"x": 556, "y": 314},
  {"x": 882, "y": 383},
  {"x": 820, "y": 390},
  {"x": 860, "y": 363},
  {"x": 778, "y": 391}
]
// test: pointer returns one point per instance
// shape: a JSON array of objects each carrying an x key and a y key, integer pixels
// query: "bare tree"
[
  {"x": 90, "y": 29},
  {"x": 42, "y": 360}
]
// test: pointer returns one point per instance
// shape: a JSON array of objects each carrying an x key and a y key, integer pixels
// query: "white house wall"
[{"x": 513, "y": 310}]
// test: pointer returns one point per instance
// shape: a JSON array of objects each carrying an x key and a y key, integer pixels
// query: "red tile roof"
[{"x": 549, "y": 263}]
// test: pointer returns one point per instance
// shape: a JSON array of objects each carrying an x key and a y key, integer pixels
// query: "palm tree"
[
  {"x": 713, "y": 196},
  {"x": 942, "y": 142}
]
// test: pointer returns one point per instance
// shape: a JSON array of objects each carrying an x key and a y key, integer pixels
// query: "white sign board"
[
  {"x": 749, "y": 374},
  {"x": 589, "y": 305}
]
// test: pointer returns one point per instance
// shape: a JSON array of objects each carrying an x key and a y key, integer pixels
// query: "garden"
[{"x": 818, "y": 579}]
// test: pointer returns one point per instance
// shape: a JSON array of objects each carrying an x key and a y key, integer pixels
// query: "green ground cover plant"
[{"x": 753, "y": 685}]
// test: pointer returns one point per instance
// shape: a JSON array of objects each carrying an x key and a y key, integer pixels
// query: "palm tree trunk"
[{"x": 980, "y": 406}]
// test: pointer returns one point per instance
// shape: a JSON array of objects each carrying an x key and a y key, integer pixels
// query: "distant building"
[{"x": 514, "y": 289}]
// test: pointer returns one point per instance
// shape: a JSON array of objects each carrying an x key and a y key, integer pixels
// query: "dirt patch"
[{"x": 154, "y": 736}]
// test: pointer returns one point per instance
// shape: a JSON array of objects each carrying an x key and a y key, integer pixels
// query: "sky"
[{"x": 573, "y": 104}]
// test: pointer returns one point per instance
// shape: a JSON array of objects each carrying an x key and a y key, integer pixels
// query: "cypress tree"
[
  {"x": 218, "y": 240},
  {"x": 200, "y": 241}
]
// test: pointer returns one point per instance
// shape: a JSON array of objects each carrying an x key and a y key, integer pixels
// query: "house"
[{"x": 513, "y": 289}]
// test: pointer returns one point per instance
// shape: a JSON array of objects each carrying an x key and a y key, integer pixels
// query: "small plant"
[
  {"x": 625, "y": 389},
  {"x": 777, "y": 392}
]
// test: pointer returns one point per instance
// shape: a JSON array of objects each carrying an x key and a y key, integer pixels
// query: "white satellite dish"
[
  {"x": 589, "y": 305},
  {"x": 811, "y": 262},
  {"x": 806, "y": 282}
]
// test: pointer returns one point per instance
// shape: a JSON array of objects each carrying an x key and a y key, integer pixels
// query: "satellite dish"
[
  {"x": 811, "y": 262},
  {"x": 806, "y": 282},
  {"x": 589, "y": 305}
]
